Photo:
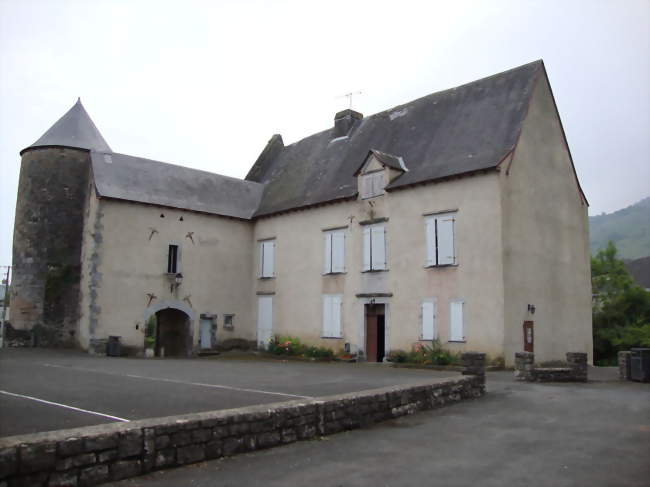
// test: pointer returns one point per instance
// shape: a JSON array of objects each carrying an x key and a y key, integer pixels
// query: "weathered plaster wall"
[
  {"x": 52, "y": 193},
  {"x": 299, "y": 283},
  {"x": 127, "y": 265},
  {"x": 546, "y": 240}
]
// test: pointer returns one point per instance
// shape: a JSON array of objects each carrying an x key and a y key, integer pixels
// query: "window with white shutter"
[
  {"x": 267, "y": 258},
  {"x": 428, "y": 319},
  {"x": 374, "y": 248},
  {"x": 456, "y": 321},
  {"x": 332, "y": 304},
  {"x": 440, "y": 239},
  {"x": 334, "y": 257},
  {"x": 372, "y": 184}
]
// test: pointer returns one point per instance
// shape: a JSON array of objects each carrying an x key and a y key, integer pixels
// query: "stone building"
[{"x": 457, "y": 216}]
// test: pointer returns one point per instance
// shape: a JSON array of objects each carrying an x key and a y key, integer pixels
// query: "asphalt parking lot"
[
  {"x": 539, "y": 435},
  {"x": 44, "y": 390}
]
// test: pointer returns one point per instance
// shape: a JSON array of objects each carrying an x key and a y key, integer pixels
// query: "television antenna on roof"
[{"x": 349, "y": 97}]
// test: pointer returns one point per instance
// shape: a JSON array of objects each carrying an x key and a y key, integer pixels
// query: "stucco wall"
[
  {"x": 127, "y": 244},
  {"x": 299, "y": 283},
  {"x": 546, "y": 240}
]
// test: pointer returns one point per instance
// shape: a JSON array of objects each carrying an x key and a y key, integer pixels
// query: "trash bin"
[
  {"x": 640, "y": 364},
  {"x": 114, "y": 347}
]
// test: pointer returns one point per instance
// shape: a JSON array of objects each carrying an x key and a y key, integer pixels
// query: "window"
[
  {"x": 173, "y": 259},
  {"x": 440, "y": 239},
  {"x": 334, "y": 258},
  {"x": 228, "y": 322},
  {"x": 332, "y": 315},
  {"x": 372, "y": 184},
  {"x": 428, "y": 319},
  {"x": 374, "y": 248},
  {"x": 267, "y": 256},
  {"x": 456, "y": 322}
]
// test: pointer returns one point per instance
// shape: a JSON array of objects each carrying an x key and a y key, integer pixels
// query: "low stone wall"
[
  {"x": 624, "y": 365},
  {"x": 525, "y": 369},
  {"x": 97, "y": 454}
]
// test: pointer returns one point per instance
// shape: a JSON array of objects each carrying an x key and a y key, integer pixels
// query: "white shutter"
[
  {"x": 268, "y": 258},
  {"x": 261, "y": 266},
  {"x": 378, "y": 248},
  {"x": 446, "y": 254},
  {"x": 335, "y": 328},
  {"x": 378, "y": 186},
  {"x": 457, "y": 328},
  {"x": 327, "y": 256},
  {"x": 431, "y": 241},
  {"x": 428, "y": 320},
  {"x": 338, "y": 251},
  {"x": 264, "y": 320},
  {"x": 366, "y": 248},
  {"x": 327, "y": 315}
]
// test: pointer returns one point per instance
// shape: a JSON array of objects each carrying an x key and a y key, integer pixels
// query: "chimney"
[{"x": 344, "y": 121}]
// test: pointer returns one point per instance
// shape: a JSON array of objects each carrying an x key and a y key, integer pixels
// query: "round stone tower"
[{"x": 53, "y": 192}]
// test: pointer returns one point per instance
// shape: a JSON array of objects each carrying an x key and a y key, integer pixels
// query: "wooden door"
[
  {"x": 206, "y": 333},
  {"x": 529, "y": 337}
]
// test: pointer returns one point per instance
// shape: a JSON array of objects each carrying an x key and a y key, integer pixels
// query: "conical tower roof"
[{"x": 74, "y": 129}]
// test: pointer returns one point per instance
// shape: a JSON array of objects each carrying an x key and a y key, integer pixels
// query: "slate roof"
[
  {"x": 142, "y": 180},
  {"x": 74, "y": 129},
  {"x": 457, "y": 131}
]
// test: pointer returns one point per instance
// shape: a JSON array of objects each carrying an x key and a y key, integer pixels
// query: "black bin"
[
  {"x": 640, "y": 364},
  {"x": 114, "y": 347}
]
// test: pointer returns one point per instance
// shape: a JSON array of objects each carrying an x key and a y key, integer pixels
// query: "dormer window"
[
  {"x": 377, "y": 171},
  {"x": 372, "y": 184}
]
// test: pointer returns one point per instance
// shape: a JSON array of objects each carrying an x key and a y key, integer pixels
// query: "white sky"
[{"x": 206, "y": 83}]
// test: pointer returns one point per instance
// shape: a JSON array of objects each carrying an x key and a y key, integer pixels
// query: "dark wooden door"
[
  {"x": 371, "y": 337},
  {"x": 529, "y": 337}
]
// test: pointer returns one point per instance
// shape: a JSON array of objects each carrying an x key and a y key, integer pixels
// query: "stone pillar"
[
  {"x": 524, "y": 366},
  {"x": 473, "y": 364},
  {"x": 624, "y": 365},
  {"x": 578, "y": 364}
]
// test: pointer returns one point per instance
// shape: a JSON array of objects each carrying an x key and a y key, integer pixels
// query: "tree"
[{"x": 621, "y": 308}]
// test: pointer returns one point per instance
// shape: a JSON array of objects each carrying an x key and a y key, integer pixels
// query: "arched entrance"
[{"x": 173, "y": 333}]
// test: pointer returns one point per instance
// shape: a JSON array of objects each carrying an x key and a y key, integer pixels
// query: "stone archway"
[
  {"x": 173, "y": 333},
  {"x": 174, "y": 328}
]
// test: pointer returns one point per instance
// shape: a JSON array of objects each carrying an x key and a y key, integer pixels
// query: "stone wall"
[
  {"x": 97, "y": 454},
  {"x": 624, "y": 365},
  {"x": 52, "y": 194},
  {"x": 525, "y": 369}
]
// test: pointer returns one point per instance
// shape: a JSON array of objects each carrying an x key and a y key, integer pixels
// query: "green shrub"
[
  {"x": 319, "y": 352},
  {"x": 285, "y": 345},
  {"x": 422, "y": 354},
  {"x": 398, "y": 356}
]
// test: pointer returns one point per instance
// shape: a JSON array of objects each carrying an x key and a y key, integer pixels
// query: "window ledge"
[
  {"x": 334, "y": 273},
  {"x": 427, "y": 339},
  {"x": 332, "y": 338},
  {"x": 369, "y": 271},
  {"x": 457, "y": 341},
  {"x": 266, "y": 278},
  {"x": 436, "y": 266}
]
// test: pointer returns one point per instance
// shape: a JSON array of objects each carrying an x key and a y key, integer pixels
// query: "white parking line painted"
[
  {"x": 174, "y": 381},
  {"x": 116, "y": 418}
]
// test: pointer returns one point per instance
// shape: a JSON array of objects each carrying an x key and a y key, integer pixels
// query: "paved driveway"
[
  {"x": 42, "y": 390},
  {"x": 595, "y": 434}
]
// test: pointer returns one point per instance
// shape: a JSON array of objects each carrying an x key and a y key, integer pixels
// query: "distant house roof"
[
  {"x": 145, "y": 181},
  {"x": 74, "y": 129},
  {"x": 452, "y": 132}
]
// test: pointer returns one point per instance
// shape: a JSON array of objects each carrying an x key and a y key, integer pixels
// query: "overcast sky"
[{"x": 206, "y": 83}]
